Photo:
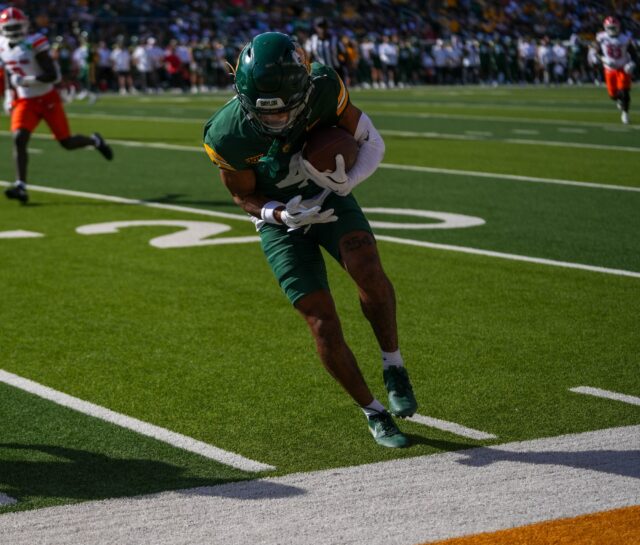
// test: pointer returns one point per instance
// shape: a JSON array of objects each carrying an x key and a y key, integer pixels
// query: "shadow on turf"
[
  {"x": 625, "y": 463},
  {"x": 177, "y": 199},
  {"x": 84, "y": 475}
]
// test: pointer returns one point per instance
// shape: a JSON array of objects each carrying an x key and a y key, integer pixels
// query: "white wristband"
[{"x": 268, "y": 209}]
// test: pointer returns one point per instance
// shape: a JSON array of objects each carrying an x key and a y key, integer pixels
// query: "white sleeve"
[{"x": 371, "y": 151}]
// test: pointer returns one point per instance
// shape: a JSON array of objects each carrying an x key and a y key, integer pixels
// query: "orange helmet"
[
  {"x": 611, "y": 26},
  {"x": 13, "y": 23}
]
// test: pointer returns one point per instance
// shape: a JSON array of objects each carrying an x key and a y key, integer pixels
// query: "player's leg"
[
  {"x": 25, "y": 117},
  {"x": 56, "y": 118},
  {"x": 624, "y": 95},
  {"x": 297, "y": 263},
  {"x": 360, "y": 257},
  {"x": 350, "y": 241},
  {"x": 319, "y": 312}
]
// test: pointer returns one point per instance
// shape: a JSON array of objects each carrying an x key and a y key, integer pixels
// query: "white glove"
[
  {"x": 630, "y": 67},
  {"x": 8, "y": 100},
  {"x": 295, "y": 215},
  {"x": 337, "y": 181}
]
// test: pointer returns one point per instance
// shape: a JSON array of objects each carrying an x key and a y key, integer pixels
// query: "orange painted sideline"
[{"x": 617, "y": 527}]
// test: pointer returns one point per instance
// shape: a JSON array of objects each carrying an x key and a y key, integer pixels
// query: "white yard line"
[
  {"x": 451, "y": 427},
  {"x": 501, "y": 119},
  {"x": 393, "y": 166},
  {"x": 399, "y": 502},
  {"x": 20, "y": 234},
  {"x": 615, "y": 396},
  {"x": 578, "y": 145},
  {"x": 512, "y": 257},
  {"x": 410, "y": 242},
  {"x": 525, "y": 131},
  {"x": 570, "y": 130},
  {"x": 511, "y": 177},
  {"x": 161, "y": 434}
]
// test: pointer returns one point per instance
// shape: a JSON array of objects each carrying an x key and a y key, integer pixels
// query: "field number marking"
[
  {"x": 446, "y": 220},
  {"x": 615, "y": 396},
  {"x": 143, "y": 428},
  {"x": 193, "y": 233}
]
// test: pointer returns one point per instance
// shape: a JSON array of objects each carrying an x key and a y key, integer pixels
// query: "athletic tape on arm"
[{"x": 371, "y": 151}]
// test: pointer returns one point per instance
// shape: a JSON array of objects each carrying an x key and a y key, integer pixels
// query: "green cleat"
[
  {"x": 385, "y": 431},
  {"x": 402, "y": 402}
]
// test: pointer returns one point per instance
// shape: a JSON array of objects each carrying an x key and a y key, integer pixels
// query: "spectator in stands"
[
  {"x": 324, "y": 46},
  {"x": 121, "y": 63}
]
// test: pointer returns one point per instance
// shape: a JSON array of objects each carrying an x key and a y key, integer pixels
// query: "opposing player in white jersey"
[
  {"x": 30, "y": 96},
  {"x": 618, "y": 56}
]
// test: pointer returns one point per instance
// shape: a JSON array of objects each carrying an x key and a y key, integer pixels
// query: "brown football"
[{"x": 323, "y": 144}]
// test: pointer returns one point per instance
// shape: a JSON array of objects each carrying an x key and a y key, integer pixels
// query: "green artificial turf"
[{"x": 201, "y": 341}]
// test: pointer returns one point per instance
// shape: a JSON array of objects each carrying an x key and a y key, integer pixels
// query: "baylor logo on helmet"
[{"x": 269, "y": 103}]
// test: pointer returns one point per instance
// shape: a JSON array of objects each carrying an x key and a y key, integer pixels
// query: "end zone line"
[
  {"x": 451, "y": 427},
  {"x": 161, "y": 434},
  {"x": 607, "y": 394}
]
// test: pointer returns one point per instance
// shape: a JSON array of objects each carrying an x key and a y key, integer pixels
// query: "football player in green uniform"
[{"x": 256, "y": 140}]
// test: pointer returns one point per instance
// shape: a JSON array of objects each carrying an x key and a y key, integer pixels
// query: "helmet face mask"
[
  {"x": 14, "y": 24},
  {"x": 611, "y": 26},
  {"x": 273, "y": 83}
]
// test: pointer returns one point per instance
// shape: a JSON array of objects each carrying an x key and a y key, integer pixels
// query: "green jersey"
[{"x": 232, "y": 142}]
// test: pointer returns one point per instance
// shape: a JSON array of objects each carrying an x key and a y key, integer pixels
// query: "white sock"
[
  {"x": 20, "y": 183},
  {"x": 373, "y": 408},
  {"x": 392, "y": 359}
]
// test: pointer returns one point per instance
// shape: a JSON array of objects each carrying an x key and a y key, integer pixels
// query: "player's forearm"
[
  {"x": 371, "y": 151},
  {"x": 254, "y": 205}
]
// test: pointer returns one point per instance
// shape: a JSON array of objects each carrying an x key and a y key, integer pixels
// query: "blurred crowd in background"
[{"x": 139, "y": 46}]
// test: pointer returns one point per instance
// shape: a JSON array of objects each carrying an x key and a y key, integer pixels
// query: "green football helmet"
[{"x": 273, "y": 83}]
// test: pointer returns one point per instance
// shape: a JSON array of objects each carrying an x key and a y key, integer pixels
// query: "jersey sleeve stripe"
[
  {"x": 41, "y": 43},
  {"x": 343, "y": 98},
  {"x": 217, "y": 158}
]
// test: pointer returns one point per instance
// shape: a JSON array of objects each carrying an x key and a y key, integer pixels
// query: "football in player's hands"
[{"x": 323, "y": 144}]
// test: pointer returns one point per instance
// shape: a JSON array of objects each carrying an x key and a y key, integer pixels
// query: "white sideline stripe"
[
  {"x": 597, "y": 392},
  {"x": 7, "y": 500},
  {"x": 161, "y": 434},
  {"x": 407, "y": 241},
  {"x": 451, "y": 427},
  {"x": 525, "y": 131},
  {"x": 512, "y": 257},
  {"x": 514, "y": 177},
  {"x": 426, "y": 499},
  {"x": 20, "y": 234},
  {"x": 414, "y": 168}
]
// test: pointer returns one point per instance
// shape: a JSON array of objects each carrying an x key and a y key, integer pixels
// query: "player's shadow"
[
  {"x": 60, "y": 472},
  {"x": 182, "y": 199},
  {"x": 625, "y": 463},
  {"x": 439, "y": 444}
]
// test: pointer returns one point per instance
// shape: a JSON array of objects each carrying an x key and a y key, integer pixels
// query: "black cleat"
[
  {"x": 18, "y": 192},
  {"x": 102, "y": 146}
]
